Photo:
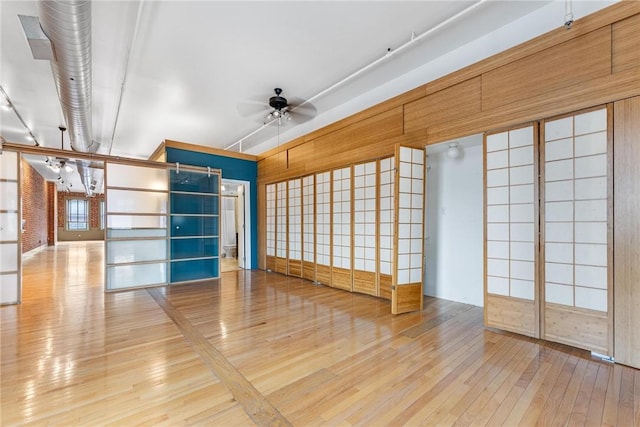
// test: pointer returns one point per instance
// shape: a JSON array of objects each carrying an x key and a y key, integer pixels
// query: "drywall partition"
[
  {"x": 10, "y": 253},
  {"x": 238, "y": 168},
  {"x": 454, "y": 223}
]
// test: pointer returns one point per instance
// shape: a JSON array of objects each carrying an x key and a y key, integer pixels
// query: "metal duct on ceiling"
[{"x": 67, "y": 24}]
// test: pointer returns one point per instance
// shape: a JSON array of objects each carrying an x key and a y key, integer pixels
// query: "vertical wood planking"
[{"x": 627, "y": 231}]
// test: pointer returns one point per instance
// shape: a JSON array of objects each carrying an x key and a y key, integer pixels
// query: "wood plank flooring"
[{"x": 219, "y": 352}]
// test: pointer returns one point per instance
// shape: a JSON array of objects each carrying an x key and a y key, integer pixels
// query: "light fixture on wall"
[{"x": 453, "y": 152}]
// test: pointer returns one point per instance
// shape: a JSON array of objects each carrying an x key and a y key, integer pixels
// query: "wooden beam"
[{"x": 168, "y": 143}]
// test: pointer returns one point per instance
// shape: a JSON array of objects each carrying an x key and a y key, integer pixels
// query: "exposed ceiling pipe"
[
  {"x": 390, "y": 52},
  {"x": 67, "y": 24}
]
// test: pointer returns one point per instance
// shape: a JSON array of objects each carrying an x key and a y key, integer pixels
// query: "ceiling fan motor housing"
[{"x": 278, "y": 102}]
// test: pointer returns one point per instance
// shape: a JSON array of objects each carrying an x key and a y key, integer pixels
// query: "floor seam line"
[{"x": 254, "y": 403}]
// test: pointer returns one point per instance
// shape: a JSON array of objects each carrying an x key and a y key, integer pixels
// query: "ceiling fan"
[{"x": 278, "y": 109}]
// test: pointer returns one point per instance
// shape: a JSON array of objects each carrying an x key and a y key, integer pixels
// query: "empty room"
[{"x": 320, "y": 213}]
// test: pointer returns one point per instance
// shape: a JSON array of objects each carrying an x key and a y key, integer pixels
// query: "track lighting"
[
  {"x": 8, "y": 105},
  {"x": 568, "y": 14}
]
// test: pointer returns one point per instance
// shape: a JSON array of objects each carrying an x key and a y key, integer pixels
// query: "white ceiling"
[{"x": 190, "y": 65}]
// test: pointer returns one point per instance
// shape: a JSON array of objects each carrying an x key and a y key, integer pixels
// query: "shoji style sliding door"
[
  {"x": 323, "y": 228},
  {"x": 511, "y": 231},
  {"x": 386, "y": 228},
  {"x": 294, "y": 236},
  {"x": 406, "y": 293},
  {"x": 308, "y": 228},
  {"x": 548, "y": 230},
  {"x": 10, "y": 247},
  {"x": 341, "y": 274},
  {"x": 364, "y": 223},
  {"x": 281, "y": 227},
  {"x": 358, "y": 228},
  {"x": 271, "y": 227},
  {"x": 137, "y": 232},
  {"x": 577, "y": 233}
]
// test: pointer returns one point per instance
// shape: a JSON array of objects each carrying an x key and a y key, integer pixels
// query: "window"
[
  {"x": 102, "y": 215},
  {"x": 77, "y": 214}
]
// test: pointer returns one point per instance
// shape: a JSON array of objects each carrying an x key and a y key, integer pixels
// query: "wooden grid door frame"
[
  {"x": 410, "y": 169},
  {"x": 507, "y": 306},
  {"x": 581, "y": 327}
]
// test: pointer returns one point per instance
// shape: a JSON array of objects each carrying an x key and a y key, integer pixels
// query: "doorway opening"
[
  {"x": 62, "y": 226},
  {"x": 235, "y": 235},
  {"x": 454, "y": 224}
]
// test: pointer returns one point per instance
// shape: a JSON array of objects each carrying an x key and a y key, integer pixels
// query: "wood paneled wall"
[
  {"x": 627, "y": 231},
  {"x": 596, "y": 62}
]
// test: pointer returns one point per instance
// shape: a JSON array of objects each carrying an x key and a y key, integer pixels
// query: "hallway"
[{"x": 261, "y": 348}]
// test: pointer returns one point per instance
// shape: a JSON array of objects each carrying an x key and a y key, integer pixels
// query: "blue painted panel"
[
  {"x": 194, "y": 248},
  {"x": 232, "y": 168},
  {"x": 194, "y": 204},
  {"x": 184, "y": 226},
  {"x": 195, "y": 182},
  {"x": 182, "y": 271}
]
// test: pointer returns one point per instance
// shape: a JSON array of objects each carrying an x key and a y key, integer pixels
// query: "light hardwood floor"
[{"x": 261, "y": 348}]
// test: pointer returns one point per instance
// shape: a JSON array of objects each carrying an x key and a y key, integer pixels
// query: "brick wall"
[
  {"x": 35, "y": 213},
  {"x": 52, "y": 203}
]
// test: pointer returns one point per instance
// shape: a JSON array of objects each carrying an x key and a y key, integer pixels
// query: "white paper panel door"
[
  {"x": 281, "y": 219},
  {"x": 308, "y": 252},
  {"x": 10, "y": 248},
  {"x": 364, "y": 217},
  {"x": 295, "y": 220},
  {"x": 271, "y": 220},
  {"x": 406, "y": 292},
  {"x": 341, "y": 218},
  {"x": 323, "y": 219},
  {"x": 386, "y": 215},
  {"x": 511, "y": 230},
  {"x": 576, "y": 230}
]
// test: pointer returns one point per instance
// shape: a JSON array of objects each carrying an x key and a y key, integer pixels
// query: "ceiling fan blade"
[{"x": 253, "y": 109}]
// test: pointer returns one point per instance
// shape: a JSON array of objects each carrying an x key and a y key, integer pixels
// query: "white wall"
[{"x": 454, "y": 244}]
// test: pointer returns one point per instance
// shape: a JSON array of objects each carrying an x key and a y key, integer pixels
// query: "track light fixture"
[
  {"x": 568, "y": 14},
  {"x": 8, "y": 105}
]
